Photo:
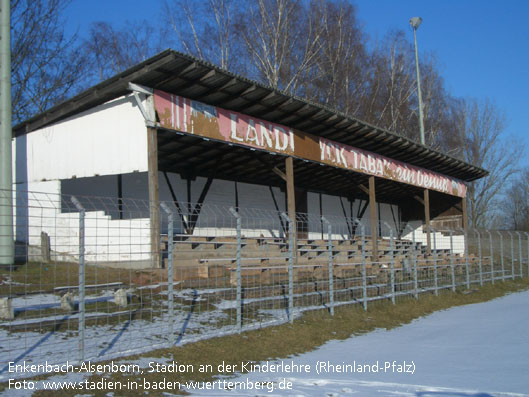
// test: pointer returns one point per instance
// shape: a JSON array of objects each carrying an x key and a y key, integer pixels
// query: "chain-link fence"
[{"x": 98, "y": 278}]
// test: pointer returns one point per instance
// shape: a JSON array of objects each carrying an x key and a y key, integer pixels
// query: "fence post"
[
  {"x": 527, "y": 235},
  {"x": 364, "y": 267},
  {"x": 479, "y": 262},
  {"x": 414, "y": 254},
  {"x": 520, "y": 251},
  {"x": 81, "y": 325},
  {"x": 491, "y": 257},
  {"x": 502, "y": 264},
  {"x": 238, "y": 261},
  {"x": 291, "y": 249},
  {"x": 331, "y": 276},
  {"x": 452, "y": 264},
  {"x": 512, "y": 254},
  {"x": 392, "y": 263},
  {"x": 465, "y": 244},
  {"x": 170, "y": 270},
  {"x": 435, "y": 270}
]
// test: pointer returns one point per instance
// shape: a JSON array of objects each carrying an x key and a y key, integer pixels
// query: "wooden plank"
[
  {"x": 373, "y": 210},
  {"x": 427, "y": 220},
  {"x": 154, "y": 211},
  {"x": 291, "y": 197}
]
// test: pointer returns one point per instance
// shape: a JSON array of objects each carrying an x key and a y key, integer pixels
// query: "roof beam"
[
  {"x": 192, "y": 66},
  {"x": 363, "y": 188},
  {"x": 208, "y": 75}
]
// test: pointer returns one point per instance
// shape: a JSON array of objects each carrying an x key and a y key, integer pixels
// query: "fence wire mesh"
[{"x": 98, "y": 278}]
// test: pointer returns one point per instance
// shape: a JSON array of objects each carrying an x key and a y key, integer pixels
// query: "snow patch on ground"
[
  {"x": 110, "y": 340},
  {"x": 479, "y": 350}
]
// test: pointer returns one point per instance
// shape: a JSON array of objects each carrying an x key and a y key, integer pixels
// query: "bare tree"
[
  {"x": 338, "y": 77},
  {"x": 515, "y": 205},
  {"x": 317, "y": 50},
  {"x": 389, "y": 94},
  {"x": 439, "y": 107},
  {"x": 389, "y": 99},
  {"x": 280, "y": 39},
  {"x": 482, "y": 141},
  {"x": 110, "y": 50},
  {"x": 203, "y": 29},
  {"x": 46, "y": 65}
]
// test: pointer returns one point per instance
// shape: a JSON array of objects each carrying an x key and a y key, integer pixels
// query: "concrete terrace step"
[{"x": 211, "y": 247}]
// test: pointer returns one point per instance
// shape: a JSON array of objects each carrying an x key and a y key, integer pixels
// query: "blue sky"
[{"x": 482, "y": 45}]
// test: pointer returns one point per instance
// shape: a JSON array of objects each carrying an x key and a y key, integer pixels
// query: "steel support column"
[
  {"x": 291, "y": 199},
  {"x": 7, "y": 243}
]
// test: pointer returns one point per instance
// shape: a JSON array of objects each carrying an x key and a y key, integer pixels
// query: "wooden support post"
[
  {"x": 465, "y": 217},
  {"x": 427, "y": 220},
  {"x": 374, "y": 220},
  {"x": 154, "y": 211},
  {"x": 465, "y": 214},
  {"x": 291, "y": 198}
]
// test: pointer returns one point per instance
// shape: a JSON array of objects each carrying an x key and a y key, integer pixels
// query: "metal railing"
[{"x": 87, "y": 281}]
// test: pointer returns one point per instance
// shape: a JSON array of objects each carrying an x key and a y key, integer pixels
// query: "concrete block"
[
  {"x": 45, "y": 247},
  {"x": 120, "y": 297},
  {"x": 67, "y": 302},
  {"x": 6, "y": 309}
]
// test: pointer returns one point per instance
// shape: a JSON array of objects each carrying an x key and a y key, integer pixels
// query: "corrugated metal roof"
[{"x": 187, "y": 76}]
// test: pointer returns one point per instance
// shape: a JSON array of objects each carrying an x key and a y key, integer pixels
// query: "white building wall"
[
  {"x": 108, "y": 139},
  {"x": 104, "y": 141},
  {"x": 106, "y": 239},
  {"x": 442, "y": 240}
]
